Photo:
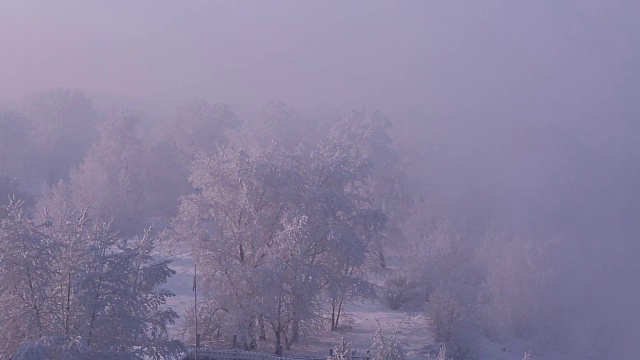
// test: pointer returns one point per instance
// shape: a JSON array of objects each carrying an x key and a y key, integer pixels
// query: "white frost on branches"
[{"x": 71, "y": 288}]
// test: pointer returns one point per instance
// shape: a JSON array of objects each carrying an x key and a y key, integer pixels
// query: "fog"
[
  {"x": 524, "y": 115},
  {"x": 416, "y": 56}
]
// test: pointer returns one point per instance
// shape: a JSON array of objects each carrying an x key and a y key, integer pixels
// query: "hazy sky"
[
  {"x": 491, "y": 75},
  {"x": 444, "y": 56}
]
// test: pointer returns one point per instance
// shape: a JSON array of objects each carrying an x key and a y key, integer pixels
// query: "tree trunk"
[
  {"x": 68, "y": 307},
  {"x": 263, "y": 333},
  {"x": 295, "y": 328},
  {"x": 278, "y": 340},
  {"x": 383, "y": 263},
  {"x": 339, "y": 311},
  {"x": 333, "y": 314}
]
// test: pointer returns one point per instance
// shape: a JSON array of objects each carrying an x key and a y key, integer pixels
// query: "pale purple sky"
[{"x": 409, "y": 54}]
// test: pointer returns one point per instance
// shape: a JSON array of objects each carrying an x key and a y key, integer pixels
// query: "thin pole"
[{"x": 195, "y": 303}]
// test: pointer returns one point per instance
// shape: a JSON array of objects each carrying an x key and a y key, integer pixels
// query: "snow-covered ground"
[
  {"x": 413, "y": 326},
  {"x": 182, "y": 285},
  {"x": 360, "y": 332}
]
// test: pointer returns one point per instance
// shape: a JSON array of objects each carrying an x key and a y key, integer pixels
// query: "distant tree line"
[{"x": 285, "y": 214}]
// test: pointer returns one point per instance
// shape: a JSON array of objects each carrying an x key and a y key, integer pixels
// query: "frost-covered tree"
[
  {"x": 517, "y": 287},
  {"x": 453, "y": 319},
  {"x": 274, "y": 234},
  {"x": 9, "y": 190},
  {"x": 73, "y": 289},
  {"x": 233, "y": 222},
  {"x": 62, "y": 126},
  {"x": 444, "y": 266},
  {"x": 201, "y": 126},
  {"x": 343, "y": 230},
  {"x": 198, "y": 126},
  {"x": 387, "y": 348},
  {"x": 26, "y": 260},
  {"x": 120, "y": 300},
  {"x": 113, "y": 174},
  {"x": 442, "y": 352},
  {"x": 441, "y": 259},
  {"x": 166, "y": 180},
  {"x": 400, "y": 290},
  {"x": 342, "y": 351},
  {"x": 386, "y": 185}
]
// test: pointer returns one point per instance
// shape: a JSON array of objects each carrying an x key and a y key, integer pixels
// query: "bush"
[
  {"x": 342, "y": 351},
  {"x": 454, "y": 324},
  {"x": 387, "y": 348},
  {"x": 399, "y": 291}
]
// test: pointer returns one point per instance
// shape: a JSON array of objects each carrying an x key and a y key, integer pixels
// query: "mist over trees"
[
  {"x": 283, "y": 229},
  {"x": 113, "y": 174},
  {"x": 477, "y": 163},
  {"x": 62, "y": 125}
]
